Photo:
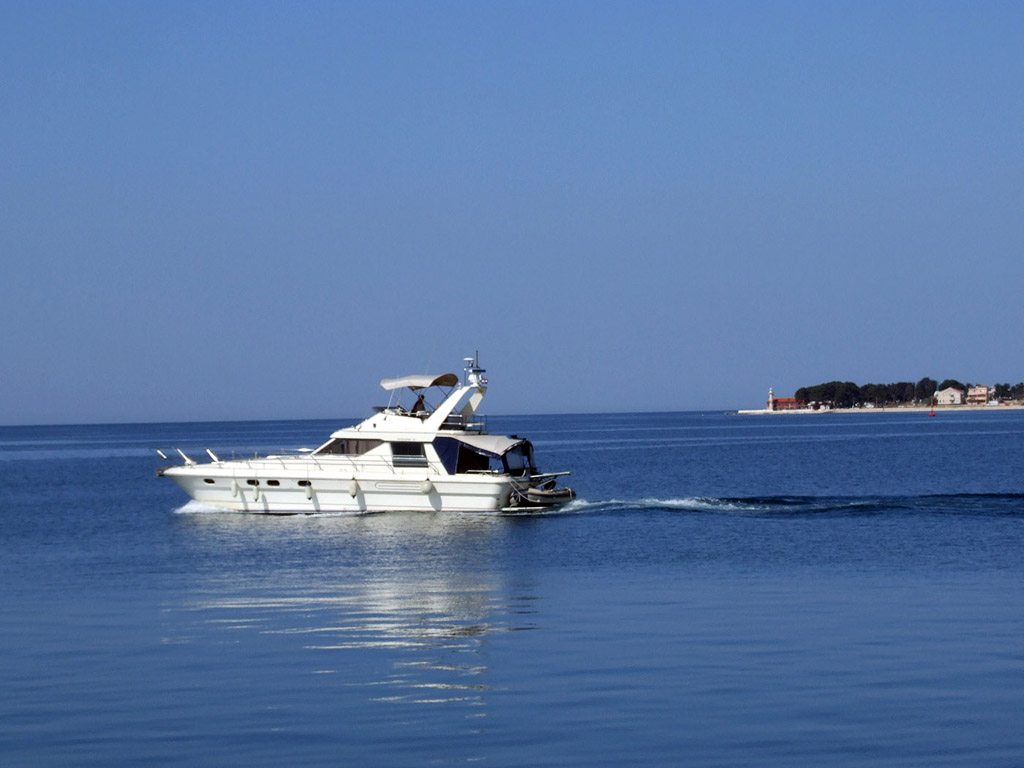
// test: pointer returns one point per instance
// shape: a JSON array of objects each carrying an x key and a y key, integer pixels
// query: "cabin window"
[
  {"x": 471, "y": 461},
  {"x": 346, "y": 446},
  {"x": 252, "y": 482},
  {"x": 408, "y": 455},
  {"x": 304, "y": 483},
  {"x": 208, "y": 480},
  {"x": 273, "y": 482}
]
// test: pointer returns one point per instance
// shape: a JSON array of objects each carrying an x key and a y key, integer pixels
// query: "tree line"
[{"x": 846, "y": 394}]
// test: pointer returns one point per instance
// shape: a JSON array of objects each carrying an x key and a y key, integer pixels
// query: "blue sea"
[{"x": 799, "y": 590}]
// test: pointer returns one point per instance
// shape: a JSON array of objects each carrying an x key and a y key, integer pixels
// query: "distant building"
[
  {"x": 783, "y": 403},
  {"x": 949, "y": 396},
  {"x": 977, "y": 395}
]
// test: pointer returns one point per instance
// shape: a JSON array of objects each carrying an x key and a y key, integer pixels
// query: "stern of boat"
[{"x": 540, "y": 492}]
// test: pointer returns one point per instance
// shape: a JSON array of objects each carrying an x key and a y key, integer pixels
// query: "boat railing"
[
  {"x": 201, "y": 455},
  {"x": 457, "y": 421},
  {"x": 255, "y": 459}
]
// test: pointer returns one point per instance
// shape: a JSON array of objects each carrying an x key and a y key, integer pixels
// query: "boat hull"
[{"x": 297, "y": 492}]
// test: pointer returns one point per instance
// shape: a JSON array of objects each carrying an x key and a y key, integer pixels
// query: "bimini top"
[
  {"x": 421, "y": 381},
  {"x": 492, "y": 445}
]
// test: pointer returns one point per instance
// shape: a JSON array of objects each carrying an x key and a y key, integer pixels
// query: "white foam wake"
[
  {"x": 685, "y": 503},
  {"x": 199, "y": 508}
]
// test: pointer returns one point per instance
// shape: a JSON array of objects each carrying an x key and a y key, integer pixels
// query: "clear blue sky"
[{"x": 244, "y": 210}]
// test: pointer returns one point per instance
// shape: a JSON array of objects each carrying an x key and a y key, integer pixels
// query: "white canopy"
[
  {"x": 421, "y": 381},
  {"x": 495, "y": 445}
]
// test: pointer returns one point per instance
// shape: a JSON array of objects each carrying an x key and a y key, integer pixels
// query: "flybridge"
[
  {"x": 456, "y": 411},
  {"x": 471, "y": 377}
]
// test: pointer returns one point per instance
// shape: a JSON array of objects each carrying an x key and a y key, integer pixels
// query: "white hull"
[{"x": 280, "y": 492}]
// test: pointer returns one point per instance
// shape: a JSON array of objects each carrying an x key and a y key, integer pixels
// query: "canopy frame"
[{"x": 421, "y": 381}]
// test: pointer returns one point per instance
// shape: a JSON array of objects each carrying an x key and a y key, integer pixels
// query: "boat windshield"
[{"x": 519, "y": 460}]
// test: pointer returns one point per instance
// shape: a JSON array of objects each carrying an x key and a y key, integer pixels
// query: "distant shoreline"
[{"x": 890, "y": 409}]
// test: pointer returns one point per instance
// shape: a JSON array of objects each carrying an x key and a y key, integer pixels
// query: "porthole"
[
  {"x": 273, "y": 482},
  {"x": 303, "y": 483},
  {"x": 208, "y": 480},
  {"x": 253, "y": 482}
]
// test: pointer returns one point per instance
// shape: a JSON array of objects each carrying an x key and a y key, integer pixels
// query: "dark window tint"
[
  {"x": 345, "y": 446},
  {"x": 408, "y": 454}
]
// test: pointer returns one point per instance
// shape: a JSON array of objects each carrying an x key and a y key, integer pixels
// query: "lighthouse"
[{"x": 771, "y": 399}]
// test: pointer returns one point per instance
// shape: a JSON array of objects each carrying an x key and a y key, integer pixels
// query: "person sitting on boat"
[{"x": 419, "y": 405}]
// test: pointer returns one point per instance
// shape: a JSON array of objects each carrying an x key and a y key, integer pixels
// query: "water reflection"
[{"x": 403, "y": 605}]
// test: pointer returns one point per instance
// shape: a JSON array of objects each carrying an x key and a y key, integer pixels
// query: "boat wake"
[
  {"x": 198, "y": 508},
  {"x": 986, "y": 504}
]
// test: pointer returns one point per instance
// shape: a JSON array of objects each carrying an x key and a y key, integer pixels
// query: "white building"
[{"x": 949, "y": 396}]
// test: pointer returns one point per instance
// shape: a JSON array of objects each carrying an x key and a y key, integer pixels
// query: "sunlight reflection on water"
[{"x": 409, "y": 612}]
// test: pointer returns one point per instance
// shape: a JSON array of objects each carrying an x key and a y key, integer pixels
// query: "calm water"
[{"x": 837, "y": 590}]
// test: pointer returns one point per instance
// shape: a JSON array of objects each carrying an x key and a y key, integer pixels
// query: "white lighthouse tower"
[{"x": 771, "y": 399}]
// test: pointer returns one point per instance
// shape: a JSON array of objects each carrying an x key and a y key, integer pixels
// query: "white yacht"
[{"x": 427, "y": 457}]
